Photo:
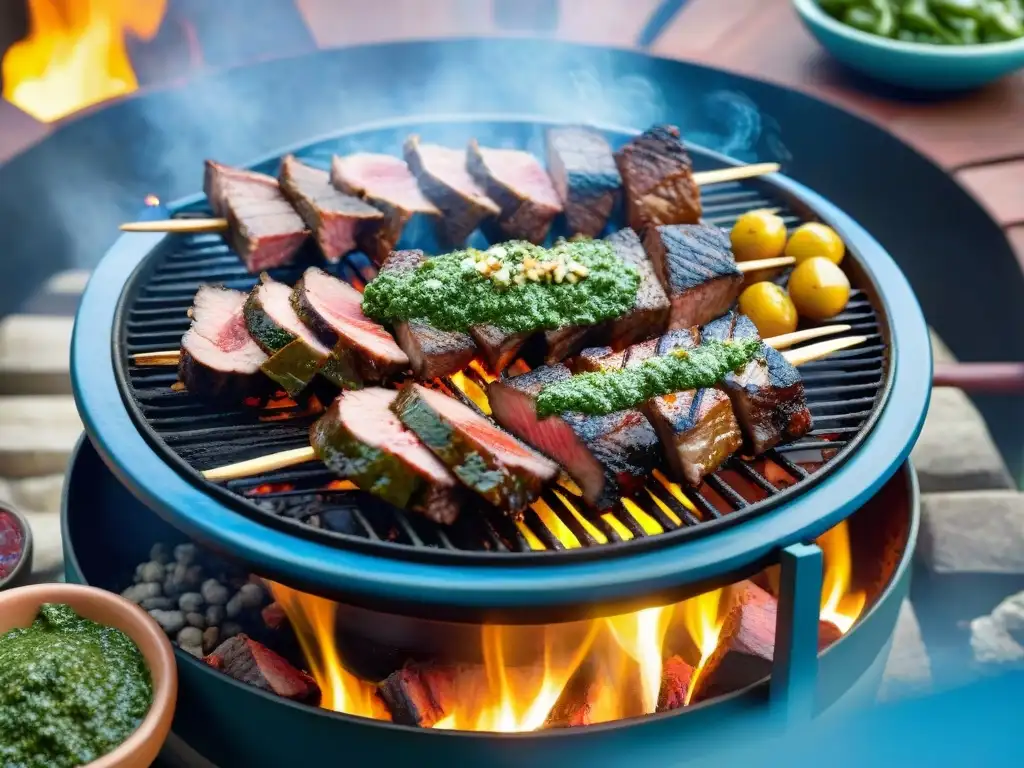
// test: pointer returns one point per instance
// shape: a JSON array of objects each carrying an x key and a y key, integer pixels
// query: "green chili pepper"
[
  {"x": 836, "y": 8},
  {"x": 915, "y": 15},
  {"x": 969, "y": 9},
  {"x": 876, "y": 17},
  {"x": 1000, "y": 23},
  {"x": 967, "y": 28}
]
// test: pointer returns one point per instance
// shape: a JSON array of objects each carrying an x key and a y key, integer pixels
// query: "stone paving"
[{"x": 965, "y": 617}]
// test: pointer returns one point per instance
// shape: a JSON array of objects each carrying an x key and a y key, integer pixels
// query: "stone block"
[
  {"x": 70, "y": 281},
  {"x": 37, "y": 435},
  {"x": 955, "y": 451},
  {"x": 42, "y": 494},
  {"x": 47, "y": 550},
  {"x": 973, "y": 532},
  {"x": 908, "y": 671},
  {"x": 940, "y": 352},
  {"x": 34, "y": 355}
]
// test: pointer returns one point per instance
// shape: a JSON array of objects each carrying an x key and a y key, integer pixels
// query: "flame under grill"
[{"x": 843, "y": 393}]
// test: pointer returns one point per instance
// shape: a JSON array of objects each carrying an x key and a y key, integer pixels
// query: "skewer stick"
[
  {"x": 753, "y": 266},
  {"x": 302, "y": 455},
  {"x": 177, "y": 225},
  {"x": 717, "y": 176}
]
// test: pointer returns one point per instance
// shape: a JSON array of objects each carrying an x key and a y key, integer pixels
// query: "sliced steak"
[
  {"x": 657, "y": 179},
  {"x": 767, "y": 395},
  {"x": 263, "y": 228},
  {"x": 518, "y": 183},
  {"x": 386, "y": 183},
  {"x": 444, "y": 180},
  {"x": 359, "y": 438},
  {"x": 219, "y": 359},
  {"x": 333, "y": 310},
  {"x": 696, "y": 266},
  {"x": 334, "y": 217},
  {"x": 485, "y": 458},
  {"x": 432, "y": 353},
  {"x": 498, "y": 347},
  {"x": 585, "y": 176},
  {"x": 608, "y": 456}
]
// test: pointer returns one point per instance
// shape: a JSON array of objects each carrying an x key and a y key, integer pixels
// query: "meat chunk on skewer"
[
  {"x": 585, "y": 176},
  {"x": 767, "y": 395},
  {"x": 432, "y": 353},
  {"x": 263, "y": 228},
  {"x": 657, "y": 179},
  {"x": 697, "y": 269},
  {"x": 334, "y": 217},
  {"x": 360, "y": 439},
  {"x": 607, "y": 456},
  {"x": 386, "y": 183},
  {"x": 332, "y": 309},
  {"x": 219, "y": 359},
  {"x": 442, "y": 175},
  {"x": 480, "y": 454},
  {"x": 518, "y": 183}
]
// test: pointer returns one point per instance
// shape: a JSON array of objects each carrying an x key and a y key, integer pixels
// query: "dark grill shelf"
[{"x": 844, "y": 393}]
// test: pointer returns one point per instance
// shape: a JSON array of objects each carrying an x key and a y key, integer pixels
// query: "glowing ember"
[
  {"x": 840, "y": 604},
  {"x": 75, "y": 54}
]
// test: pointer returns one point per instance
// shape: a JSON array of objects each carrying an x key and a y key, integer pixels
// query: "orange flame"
[
  {"x": 702, "y": 618},
  {"x": 840, "y": 604},
  {"x": 642, "y": 635},
  {"x": 75, "y": 54}
]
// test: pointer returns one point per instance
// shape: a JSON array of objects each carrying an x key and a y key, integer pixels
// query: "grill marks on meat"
[
  {"x": 334, "y": 217},
  {"x": 585, "y": 176},
  {"x": 444, "y": 180},
  {"x": 657, "y": 177},
  {"x": 431, "y": 353},
  {"x": 696, "y": 267},
  {"x": 521, "y": 187},
  {"x": 386, "y": 183},
  {"x": 767, "y": 395},
  {"x": 263, "y": 227},
  {"x": 359, "y": 438},
  {"x": 219, "y": 359},
  {"x": 608, "y": 456},
  {"x": 333, "y": 310},
  {"x": 480, "y": 454}
]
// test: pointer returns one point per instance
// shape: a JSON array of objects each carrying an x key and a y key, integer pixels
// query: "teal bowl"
[{"x": 912, "y": 65}]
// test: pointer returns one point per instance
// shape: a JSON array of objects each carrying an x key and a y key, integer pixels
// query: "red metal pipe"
[{"x": 981, "y": 378}]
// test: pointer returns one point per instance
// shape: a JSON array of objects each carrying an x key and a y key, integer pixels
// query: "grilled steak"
[
  {"x": 657, "y": 178},
  {"x": 334, "y": 217},
  {"x": 388, "y": 185},
  {"x": 296, "y": 354},
  {"x": 263, "y": 227},
  {"x": 767, "y": 395},
  {"x": 697, "y": 269},
  {"x": 484, "y": 457},
  {"x": 431, "y": 352},
  {"x": 219, "y": 360},
  {"x": 586, "y": 178},
  {"x": 518, "y": 183},
  {"x": 332, "y": 309},
  {"x": 443, "y": 177},
  {"x": 497, "y": 346},
  {"x": 607, "y": 456},
  {"x": 360, "y": 439}
]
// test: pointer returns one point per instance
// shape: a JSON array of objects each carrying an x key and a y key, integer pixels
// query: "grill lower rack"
[{"x": 845, "y": 393}]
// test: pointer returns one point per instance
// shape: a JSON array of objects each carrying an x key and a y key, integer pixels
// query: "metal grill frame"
[{"x": 444, "y": 550}]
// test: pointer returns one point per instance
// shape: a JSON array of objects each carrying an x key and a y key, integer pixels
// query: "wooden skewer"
[
  {"x": 295, "y": 456},
  {"x": 753, "y": 266},
  {"x": 719, "y": 175},
  {"x": 177, "y": 225}
]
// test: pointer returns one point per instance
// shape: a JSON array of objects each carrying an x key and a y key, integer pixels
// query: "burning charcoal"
[
  {"x": 190, "y": 602},
  {"x": 140, "y": 592},
  {"x": 171, "y": 622},
  {"x": 190, "y": 636},
  {"x": 828, "y": 633},
  {"x": 215, "y": 614},
  {"x": 196, "y": 620},
  {"x": 676, "y": 676},
  {"x": 274, "y": 616},
  {"x": 229, "y": 629},
  {"x": 185, "y": 554},
  {"x": 657, "y": 178},
  {"x": 575, "y": 705},
  {"x": 234, "y": 607},
  {"x": 251, "y": 595},
  {"x": 214, "y": 592},
  {"x": 158, "y": 553},
  {"x": 211, "y": 636},
  {"x": 585, "y": 176},
  {"x": 157, "y": 604},
  {"x": 249, "y": 662},
  {"x": 416, "y": 695},
  {"x": 151, "y": 572}
]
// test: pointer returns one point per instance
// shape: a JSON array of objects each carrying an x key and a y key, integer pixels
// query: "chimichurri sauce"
[
  {"x": 71, "y": 690},
  {"x": 516, "y": 286}
]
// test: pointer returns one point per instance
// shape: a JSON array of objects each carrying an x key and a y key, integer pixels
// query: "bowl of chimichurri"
[
  {"x": 86, "y": 679},
  {"x": 15, "y": 548}
]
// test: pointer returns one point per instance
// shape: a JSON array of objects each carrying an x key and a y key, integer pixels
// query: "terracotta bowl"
[{"x": 18, "y": 608}]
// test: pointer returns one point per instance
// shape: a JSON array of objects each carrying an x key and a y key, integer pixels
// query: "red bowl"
[{"x": 15, "y": 548}]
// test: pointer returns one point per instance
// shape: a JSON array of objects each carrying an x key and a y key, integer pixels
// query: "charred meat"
[
  {"x": 263, "y": 227},
  {"x": 219, "y": 359},
  {"x": 767, "y": 395},
  {"x": 360, "y": 439},
  {"x": 332, "y": 309},
  {"x": 441, "y": 172},
  {"x": 431, "y": 352},
  {"x": 518, "y": 183},
  {"x": 480, "y": 454},
  {"x": 388, "y": 185},
  {"x": 657, "y": 179},
  {"x": 696, "y": 267},
  {"x": 497, "y": 346},
  {"x": 607, "y": 456},
  {"x": 334, "y": 217},
  {"x": 585, "y": 176}
]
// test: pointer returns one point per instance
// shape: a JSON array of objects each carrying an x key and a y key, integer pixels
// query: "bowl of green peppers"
[{"x": 921, "y": 44}]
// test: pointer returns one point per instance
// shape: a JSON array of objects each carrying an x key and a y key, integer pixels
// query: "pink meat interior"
[{"x": 386, "y": 177}]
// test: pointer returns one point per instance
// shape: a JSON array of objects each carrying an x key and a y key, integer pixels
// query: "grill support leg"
[{"x": 795, "y": 664}]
